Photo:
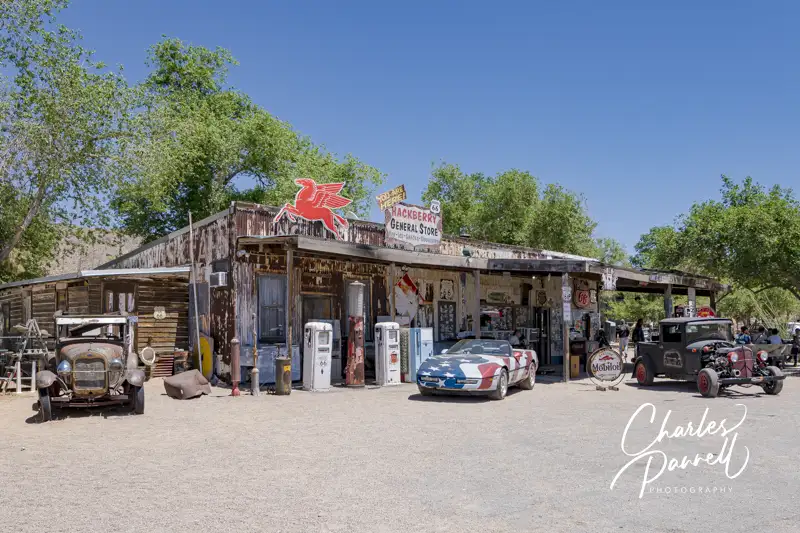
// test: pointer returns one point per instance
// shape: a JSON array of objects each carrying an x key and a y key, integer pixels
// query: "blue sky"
[{"x": 637, "y": 106}]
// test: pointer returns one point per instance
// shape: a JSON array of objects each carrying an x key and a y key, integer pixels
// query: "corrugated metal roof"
[{"x": 99, "y": 273}]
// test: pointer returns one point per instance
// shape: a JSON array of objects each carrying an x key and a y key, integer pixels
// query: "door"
[{"x": 671, "y": 345}]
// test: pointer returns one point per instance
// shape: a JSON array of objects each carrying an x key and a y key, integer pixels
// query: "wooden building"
[
  {"x": 158, "y": 296},
  {"x": 465, "y": 286}
]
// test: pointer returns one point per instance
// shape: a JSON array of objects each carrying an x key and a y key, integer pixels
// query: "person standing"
[
  {"x": 638, "y": 336},
  {"x": 775, "y": 338},
  {"x": 624, "y": 334},
  {"x": 761, "y": 336},
  {"x": 796, "y": 345},
  {"x": 744, "y": 336}
]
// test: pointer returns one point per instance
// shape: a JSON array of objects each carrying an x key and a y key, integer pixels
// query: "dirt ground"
[{"x": 389, "y": 460}]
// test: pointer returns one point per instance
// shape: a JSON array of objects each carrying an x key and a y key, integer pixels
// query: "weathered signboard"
[
  {"x": 414, "y": 226},
  {"x": 389, "y": 198},
  {"x": 605, "y": 364}
]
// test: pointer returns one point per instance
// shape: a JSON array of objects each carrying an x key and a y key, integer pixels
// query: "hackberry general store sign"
[{"x": 413, "y": 226}]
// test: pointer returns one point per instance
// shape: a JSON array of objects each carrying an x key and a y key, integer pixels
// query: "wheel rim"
[
  {"x": 641, "y": 373},
  {"x": 503, "y": 384},
  {"x": 703, "y": 383}
]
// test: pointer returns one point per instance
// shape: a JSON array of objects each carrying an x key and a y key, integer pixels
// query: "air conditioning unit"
[{"x": 218, "y": 279}]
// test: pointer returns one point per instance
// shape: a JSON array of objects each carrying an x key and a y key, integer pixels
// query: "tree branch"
[{"x": 33, "y": 210}]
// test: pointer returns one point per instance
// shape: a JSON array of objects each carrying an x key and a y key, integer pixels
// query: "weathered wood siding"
[
  {"x": 168, "y": 334},
  {"x": 78, "y": 299}
]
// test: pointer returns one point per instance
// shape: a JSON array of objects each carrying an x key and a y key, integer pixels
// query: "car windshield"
[
  {"x": 701, "y": 331},
  {"x": 481, "y": 347}
]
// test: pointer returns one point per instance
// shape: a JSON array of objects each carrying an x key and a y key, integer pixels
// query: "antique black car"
[
  {"x": 702, "y": 350},
  {"x": 94, "y": 365}
]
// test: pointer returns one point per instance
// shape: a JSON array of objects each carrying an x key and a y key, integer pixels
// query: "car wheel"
[
  {"x": 138, "y": 400},
  {"x": 643, "y": 374},
  {"x": 530, "y": 379},
  {"x": 773, "y": 387},
  {"x": 708, "y": 383},
  {"x": 425, "y": 391},
  {"x": 502, "y": 386},
  {"x": 45, "y": 407}
]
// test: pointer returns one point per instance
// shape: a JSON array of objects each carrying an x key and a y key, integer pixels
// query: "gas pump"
[
  {"x": 317, "y": 343},
  {"x": 387, "y": 353}
]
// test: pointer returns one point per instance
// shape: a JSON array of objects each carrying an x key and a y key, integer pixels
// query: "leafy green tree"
[
  {"x": 611, "y": 252},
  {"x": 512, "y": 208},
  {"x": 204, "y": 136},
  {"x": 750, "y": 237},
  {"x": 64, "y": 123}
]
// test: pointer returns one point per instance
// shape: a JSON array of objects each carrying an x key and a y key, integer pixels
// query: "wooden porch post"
[
  {"x": 668, "y": 301},
  {"x": 693, "y": 301},
  {"x": 566, "y": 303},
  {"x": 713, "y": 300},
  {"x": 476, "y": 313},
  {"x": 289, "y": 301},
  {"x": 391, "y": 292}
]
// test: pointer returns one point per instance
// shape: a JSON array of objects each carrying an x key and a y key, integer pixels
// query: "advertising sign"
[
  {"x": 315, "y": 203},
  {"x": 605, "y": 364},
  {"x": 412, "y": 225},
  {"x": 583, "y": 299},
  {"x": 706, "y": 312},
  {"x": 389, "y": 198}
]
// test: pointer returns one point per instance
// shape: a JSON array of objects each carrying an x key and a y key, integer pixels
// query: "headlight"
[
  {"x": 115, "y": 365},
  {"x": 763, "y": 356},
  {"x": 733, "y": 356},
  {"x": 64, "y": 367}
]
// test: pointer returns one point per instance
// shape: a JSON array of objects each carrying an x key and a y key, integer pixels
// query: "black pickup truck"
[{"x": 702, "y": 350}]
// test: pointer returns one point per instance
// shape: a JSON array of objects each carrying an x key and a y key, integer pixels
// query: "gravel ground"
[{"x": 388, "y": 460}]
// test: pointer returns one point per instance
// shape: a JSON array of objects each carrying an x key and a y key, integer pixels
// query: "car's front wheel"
[
  {"x": 502, "y": 386},
  {"x": 708, "y": 383},
  {"x": 530, "y": 379},
  {"x": 425, "y": 391},
  {"x": 773, "y": 387},
  {"x": 45, "y": 407},
  {"x": 138, "y": 400}
]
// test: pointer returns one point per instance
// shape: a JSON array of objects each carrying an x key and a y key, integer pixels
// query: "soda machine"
[{"x": 387, "y": 353}]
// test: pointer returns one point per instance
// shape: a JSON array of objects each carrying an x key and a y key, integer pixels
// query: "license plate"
[
  {"x": 757, "y": 380},
  {"x": 431, "y": 384}
]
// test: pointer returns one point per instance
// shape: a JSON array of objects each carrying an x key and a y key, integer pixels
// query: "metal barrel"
[{"x": 283, "y": 376}]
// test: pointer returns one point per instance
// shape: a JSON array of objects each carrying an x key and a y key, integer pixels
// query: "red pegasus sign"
[{"x": 316, "y": 203}]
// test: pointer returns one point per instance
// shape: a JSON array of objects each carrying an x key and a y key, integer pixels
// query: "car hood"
[
  {"x": 462, "y": 365},
  {"x": 80, "y": 349}
]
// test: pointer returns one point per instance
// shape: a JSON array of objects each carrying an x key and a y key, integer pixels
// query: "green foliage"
[
  {"x": 64, "y": 121},
  {"x": 772, "y": 308},
  {"x": 204, "y": 136},
  {"x": 750, "y": 237},
  {"x": 611, "y": 252},
  {"x": 629, "y": 306},
  {"x": 513, "y": 208}
]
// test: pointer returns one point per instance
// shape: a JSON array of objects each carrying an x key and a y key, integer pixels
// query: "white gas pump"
[
  {"x": 387, "y": 353},
  {"x": 317, "y": 344}
]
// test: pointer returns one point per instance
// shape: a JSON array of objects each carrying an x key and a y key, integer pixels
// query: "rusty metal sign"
[{"x": 389, "y": 198}]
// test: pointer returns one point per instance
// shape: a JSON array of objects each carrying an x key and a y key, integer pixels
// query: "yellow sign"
[{"x": 389, "y": 198}]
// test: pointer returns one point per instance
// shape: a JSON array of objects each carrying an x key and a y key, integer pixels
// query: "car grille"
[
  {"x": 90, "y": 373},
  {"x": 745, "y": 363}
]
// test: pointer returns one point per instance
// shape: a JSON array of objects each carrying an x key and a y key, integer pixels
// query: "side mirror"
[{"x": 444, "y": 351}]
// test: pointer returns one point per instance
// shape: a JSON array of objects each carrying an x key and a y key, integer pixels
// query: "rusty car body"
[
  {"x": 702, "y": 350},
  {"x": 94, "y": 365}
]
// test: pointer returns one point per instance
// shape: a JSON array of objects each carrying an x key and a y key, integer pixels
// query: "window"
[
  {"x": 272, "y": 309},
  {"x": 671, "y": 333},
  {"x": 61, "y": 300},
  {"x": 119, "y": 298}
]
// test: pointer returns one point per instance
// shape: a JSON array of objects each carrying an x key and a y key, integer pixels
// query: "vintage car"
[
  {"x": 94, "y": 365},
  {"x": 702, "y": 350},
  {"x": 475, "y": 366}
]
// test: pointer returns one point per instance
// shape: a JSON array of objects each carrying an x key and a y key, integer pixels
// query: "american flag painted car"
[{"x": 478, "y": 366}]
